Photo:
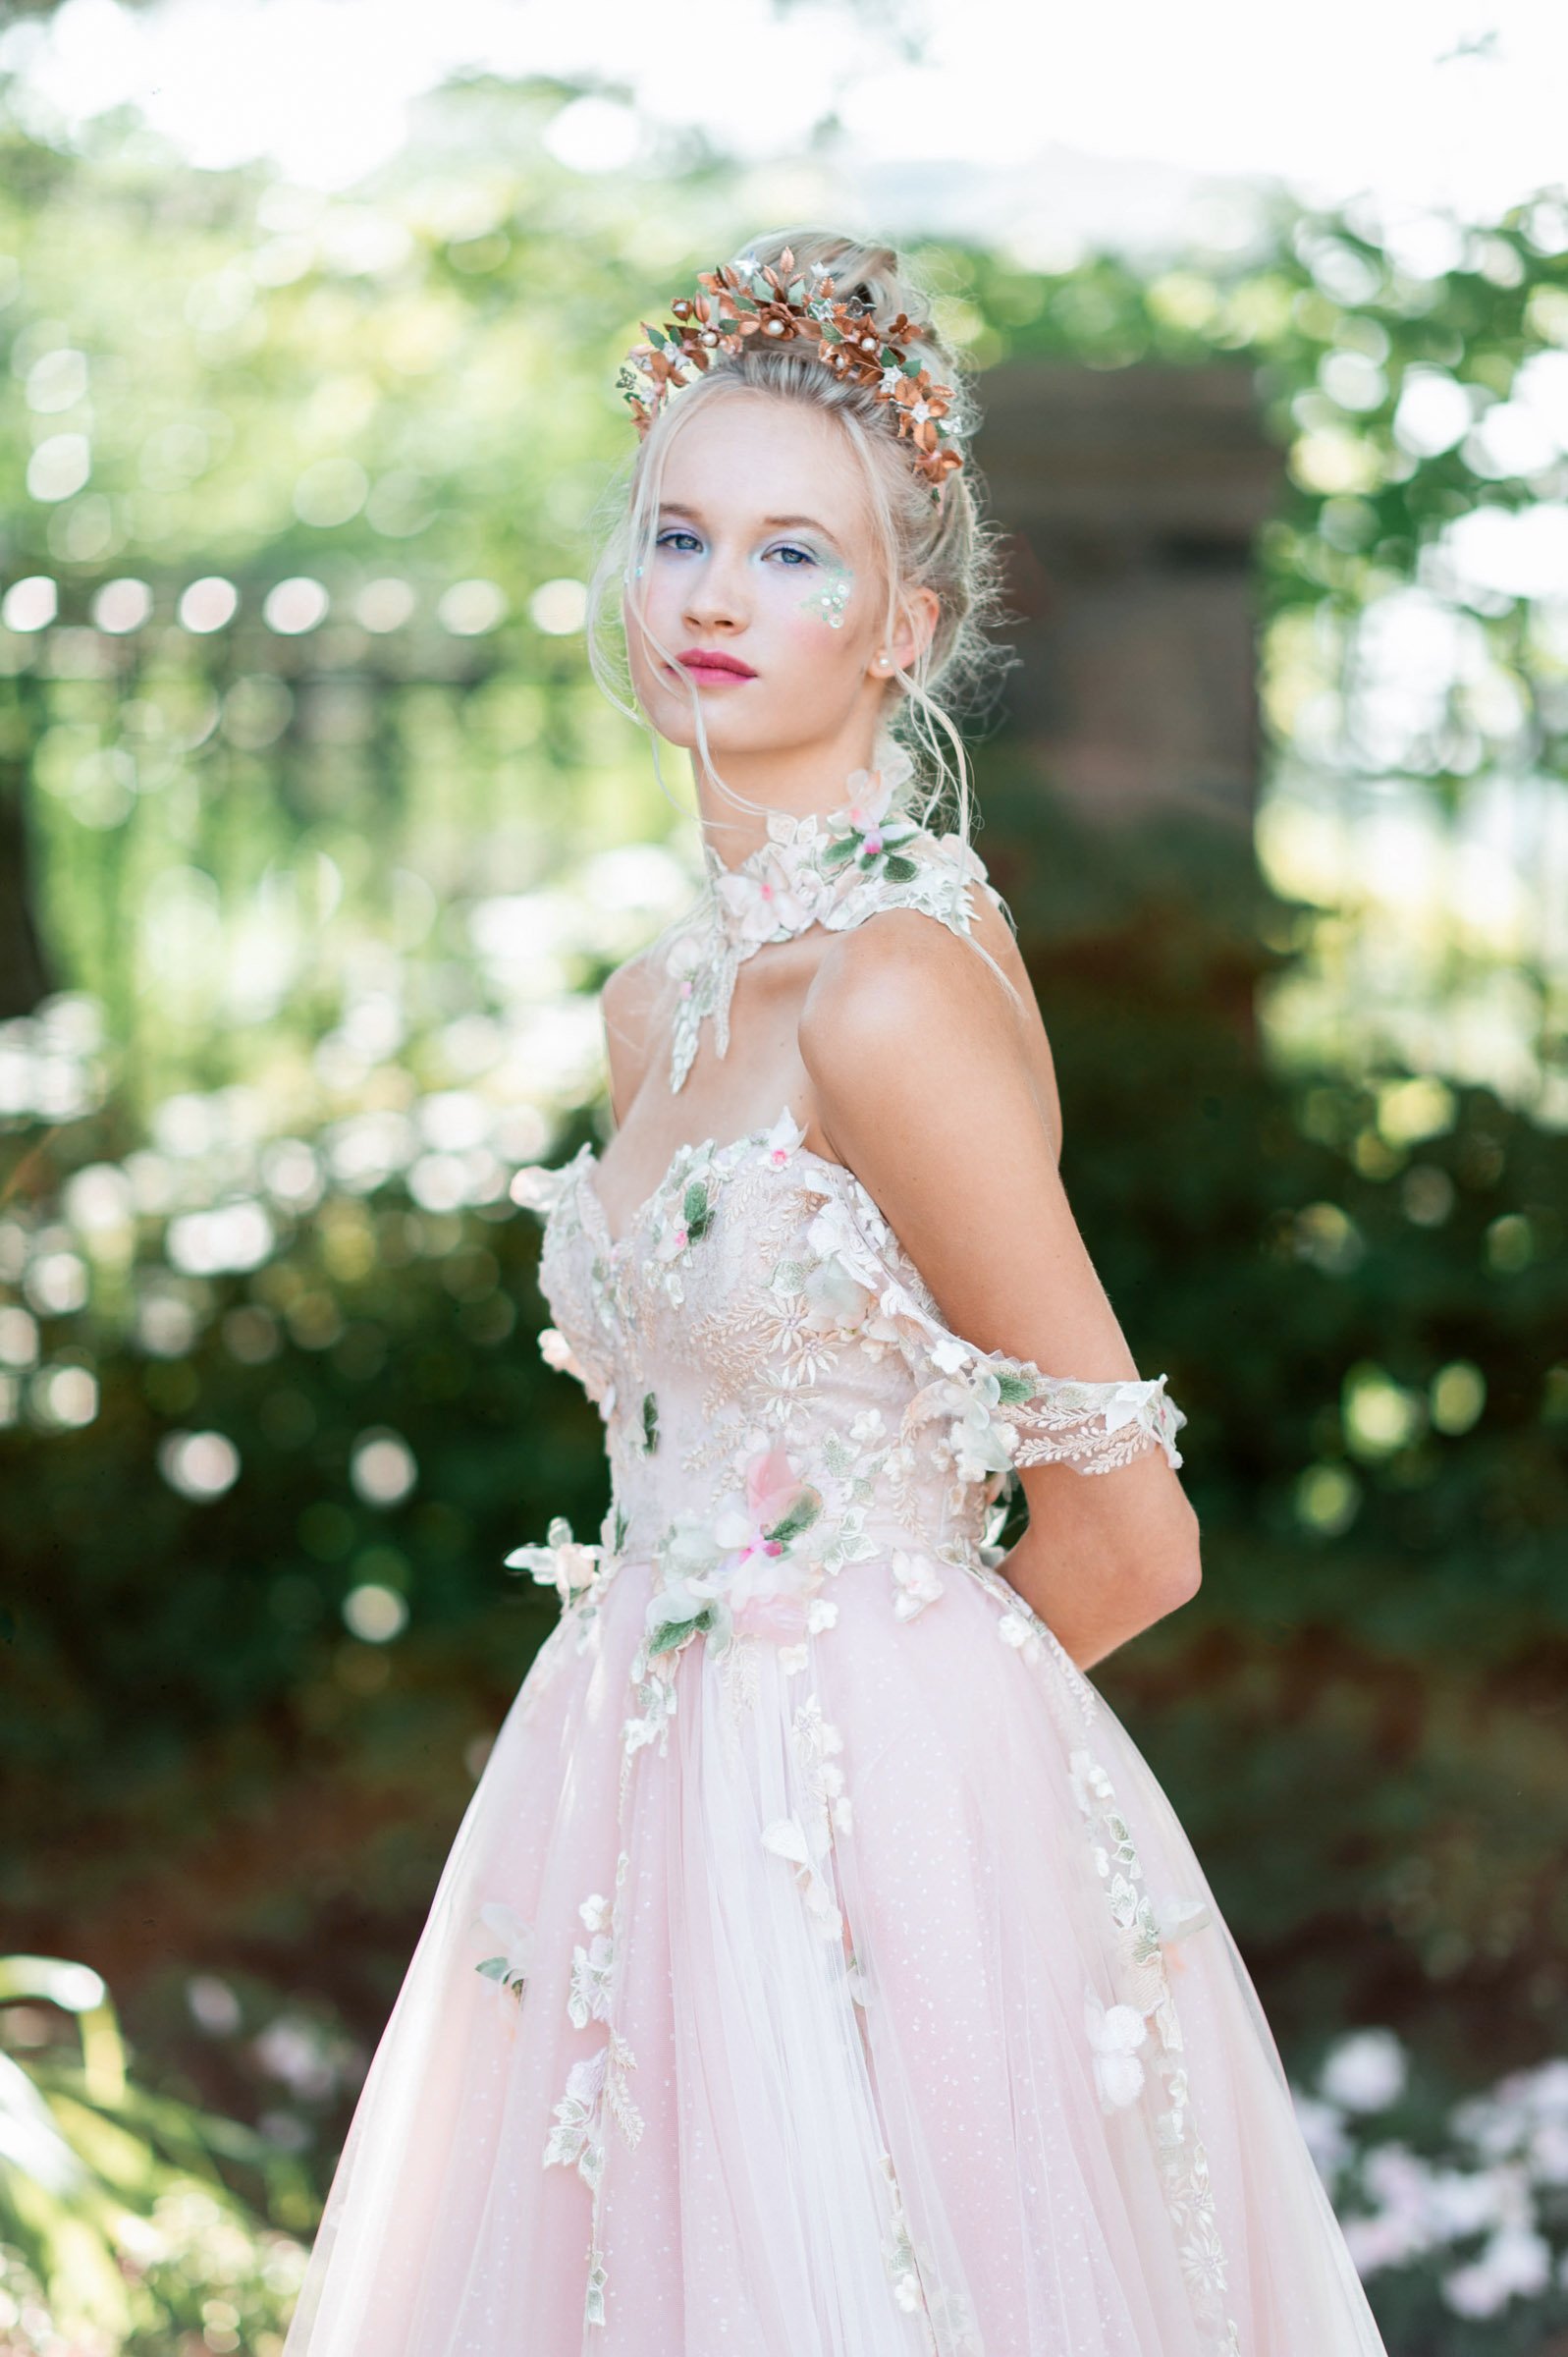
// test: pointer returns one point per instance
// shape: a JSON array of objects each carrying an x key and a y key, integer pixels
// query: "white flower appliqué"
[
  {"x": 1115, "y": 2033},
  {"x": 568, "y": 1564},
  {"x": 592, "y": 1967},
  {"x": 916, "y": 1584}
]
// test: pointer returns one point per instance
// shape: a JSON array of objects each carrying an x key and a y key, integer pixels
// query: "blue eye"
[
  {"x": 804, "y": 554},
  {"x": 676, "y": 532}
]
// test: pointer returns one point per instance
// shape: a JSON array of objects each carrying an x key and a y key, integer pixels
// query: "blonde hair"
[{"x": 941, "y": 544}]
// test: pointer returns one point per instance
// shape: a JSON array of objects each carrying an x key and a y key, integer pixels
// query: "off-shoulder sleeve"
[{"x": 999, "y": 1412}]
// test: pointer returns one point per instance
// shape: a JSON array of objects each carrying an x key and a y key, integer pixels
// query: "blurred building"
[{"x": 1131, "y": 498}]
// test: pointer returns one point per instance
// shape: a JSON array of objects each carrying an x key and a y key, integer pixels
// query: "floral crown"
[{"x": 744, "y": 300}]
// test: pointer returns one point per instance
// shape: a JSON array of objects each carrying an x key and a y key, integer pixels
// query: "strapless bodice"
[{"x": 781, "y": 1394}]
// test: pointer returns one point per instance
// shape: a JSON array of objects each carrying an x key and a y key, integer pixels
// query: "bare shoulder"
[
  {"x": 905, "y": 987},
  {"x": 631, "y": 1001}
]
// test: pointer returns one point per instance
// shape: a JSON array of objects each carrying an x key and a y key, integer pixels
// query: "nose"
[{"x": 715, "y": 596}]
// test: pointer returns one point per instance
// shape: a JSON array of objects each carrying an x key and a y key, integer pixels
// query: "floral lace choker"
[{"x": 834, "y": 873}]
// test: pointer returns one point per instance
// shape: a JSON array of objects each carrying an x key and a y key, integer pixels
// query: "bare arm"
[{"x": 925, "y": 1077}]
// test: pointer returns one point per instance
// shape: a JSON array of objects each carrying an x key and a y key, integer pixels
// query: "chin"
[{"x": 725, "y": 732}]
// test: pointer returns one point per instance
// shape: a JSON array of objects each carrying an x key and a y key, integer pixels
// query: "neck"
[{"x": 799, "y": 782}]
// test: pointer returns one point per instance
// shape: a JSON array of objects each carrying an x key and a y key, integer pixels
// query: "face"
[{"x": 764, "y": 557}]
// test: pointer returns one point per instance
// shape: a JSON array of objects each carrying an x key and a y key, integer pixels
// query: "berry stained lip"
[{"x": 708, "y": 665}]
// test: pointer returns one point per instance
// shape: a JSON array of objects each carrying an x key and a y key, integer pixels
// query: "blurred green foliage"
[
  {"x": 120, "y": 2230},
  {"x": 331, "y": 843}
]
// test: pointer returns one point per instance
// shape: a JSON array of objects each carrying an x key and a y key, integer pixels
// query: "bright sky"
[{"x": 1414, "y": 102}]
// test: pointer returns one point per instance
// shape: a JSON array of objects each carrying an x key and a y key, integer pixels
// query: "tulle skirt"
[{"x": 868, "y": 2005}]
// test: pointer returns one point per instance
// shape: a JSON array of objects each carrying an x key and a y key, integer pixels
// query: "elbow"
[
  {"x": 1183, "y": 1586},
  {"x": 1182, "y": 1562}
]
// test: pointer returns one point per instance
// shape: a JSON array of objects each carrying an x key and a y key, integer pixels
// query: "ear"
[{"x": 919, "y": 616}]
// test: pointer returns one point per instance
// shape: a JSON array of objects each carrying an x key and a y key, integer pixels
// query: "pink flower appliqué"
[
  {"x": 870, "y": 793},
  {"x": 768, "y": 1591},
  {"x": 783, "y": 1140}
]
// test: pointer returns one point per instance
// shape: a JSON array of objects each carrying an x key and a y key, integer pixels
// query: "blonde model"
[{"x": 819, "y": 1969}]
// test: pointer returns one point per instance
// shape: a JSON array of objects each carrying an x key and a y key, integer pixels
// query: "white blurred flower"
[
  {"x": 1365, "y": 2072},
  {"x": 1515, "y": 2263}
]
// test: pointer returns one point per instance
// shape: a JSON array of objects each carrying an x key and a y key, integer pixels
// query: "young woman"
[{"x": 819, "y": 1970}]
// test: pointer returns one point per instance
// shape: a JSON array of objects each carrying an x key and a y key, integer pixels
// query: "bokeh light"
[
  {"x": 375, "y": 1614},
  {"x": 208, "y": 604},
  {"x": 382, "y": 1468},
  {"x": 384, "y": 604},
  {"x": 469, "y": 609},
  {"x": 29, "y": 604},
  {"x": 559, "y": 608},
  {"x": 295, "y": 605},
  {"x": 122, "y": 606},
  {"x": 200, "y": 1465}
]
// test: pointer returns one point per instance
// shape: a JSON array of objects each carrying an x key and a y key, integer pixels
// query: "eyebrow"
[{"x": 772, "y": 524}]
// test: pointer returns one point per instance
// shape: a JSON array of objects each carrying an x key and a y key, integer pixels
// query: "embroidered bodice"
[{"x": 759, "y": 1321}]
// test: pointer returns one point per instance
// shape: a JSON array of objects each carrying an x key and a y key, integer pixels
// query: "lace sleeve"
[
  {"x": 1000, "y": 1412},
  {"x": 1094, "y": 1427}
]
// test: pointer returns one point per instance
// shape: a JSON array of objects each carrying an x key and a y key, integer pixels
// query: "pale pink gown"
[{"x": 819, "y": 1969}]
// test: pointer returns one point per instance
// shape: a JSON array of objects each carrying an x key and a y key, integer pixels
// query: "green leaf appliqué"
[
  {"x": 802, "y": 1515},
  {"x": 674, "y": 1633}
]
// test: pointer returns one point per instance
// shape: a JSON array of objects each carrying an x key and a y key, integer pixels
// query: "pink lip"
[{"x": 708, "y": 665}]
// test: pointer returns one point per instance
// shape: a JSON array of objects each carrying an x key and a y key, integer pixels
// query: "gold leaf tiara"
[{"x": 744, "y": 299}]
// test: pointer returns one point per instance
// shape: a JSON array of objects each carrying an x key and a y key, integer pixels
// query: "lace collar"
[{"x": 833, "y": 872}]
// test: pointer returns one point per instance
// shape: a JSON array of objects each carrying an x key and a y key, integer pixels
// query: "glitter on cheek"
[{"x": 830, "y": 603}]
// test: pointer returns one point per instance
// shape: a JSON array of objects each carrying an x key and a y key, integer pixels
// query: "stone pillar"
[{"x": 1130, "y": 497}]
